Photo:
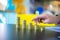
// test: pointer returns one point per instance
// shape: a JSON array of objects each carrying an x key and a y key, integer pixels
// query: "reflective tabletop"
[{"x": 11, "y": 32}]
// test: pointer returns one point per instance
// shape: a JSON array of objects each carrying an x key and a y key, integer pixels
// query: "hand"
[{"x": 46, "y": 18}]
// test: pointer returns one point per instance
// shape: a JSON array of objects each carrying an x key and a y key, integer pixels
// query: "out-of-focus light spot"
[
  {"x": 56, "y": 29},
  {"x": 40, "y": 10},
  {"x": 4, "y": 4},
  {"x": 2, "y": 31},
  {"x": 58, "y": 36},
  {"x": 2, "y": 19},
  {"x": 10, "y": 6},
  {"x": 37, "y": 12}
]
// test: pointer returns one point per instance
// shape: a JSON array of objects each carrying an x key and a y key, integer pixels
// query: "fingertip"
[{"x": 33, "y": 19}]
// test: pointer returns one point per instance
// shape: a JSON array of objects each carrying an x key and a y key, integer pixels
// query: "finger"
[
  {"x": 40, "y": 20},
  {"x": 35, "y": 21},
  {"x": 47, "y": 21},
  {"x": 39, "y": 17},
  {"x": 36, "y": 18}
]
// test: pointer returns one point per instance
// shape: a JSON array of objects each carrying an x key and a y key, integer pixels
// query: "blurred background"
[{"x": 10, "y": 8}]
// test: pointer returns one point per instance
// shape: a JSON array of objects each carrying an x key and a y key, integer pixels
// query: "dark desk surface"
[{"x": 10, "y": 32}]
